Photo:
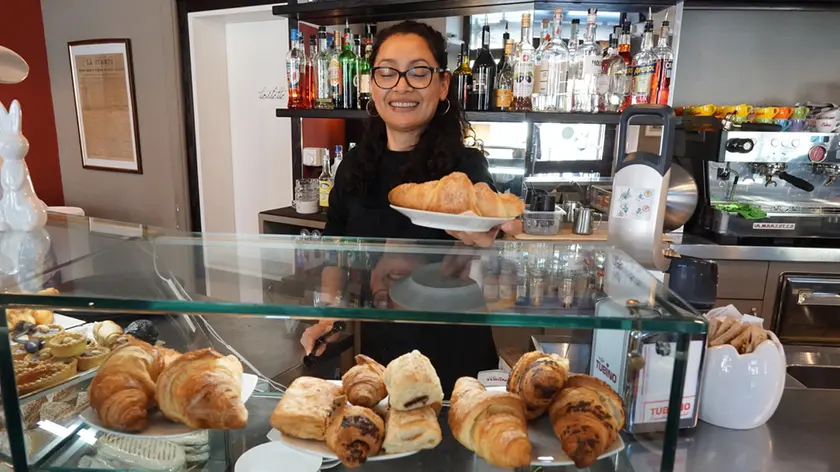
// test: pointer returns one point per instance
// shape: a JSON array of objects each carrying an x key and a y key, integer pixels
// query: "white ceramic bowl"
[{"x": 742, "y": 391}]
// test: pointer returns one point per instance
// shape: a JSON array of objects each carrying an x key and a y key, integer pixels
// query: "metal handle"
[
  {"x": 666, "y": 147},
  {"x": 809, "y": 298},
  {"x": 801, "y": 184}
]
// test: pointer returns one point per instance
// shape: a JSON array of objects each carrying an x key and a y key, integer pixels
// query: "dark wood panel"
[{"x": 332, "y": 12}]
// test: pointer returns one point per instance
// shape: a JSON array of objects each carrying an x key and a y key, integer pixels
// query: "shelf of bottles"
[{"x": 561, "y": 80}]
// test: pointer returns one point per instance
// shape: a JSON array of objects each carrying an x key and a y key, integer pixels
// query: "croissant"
[
  {"x": 492, "y": 424},
  {"x": 537, "y": 378},
  {"x": 169, "y": 355},
  {"x": 456, "y": 194},
  {"x": 124, "y": 387},
  {"x": 106, "y": 332},
  {"x": 363, "y": 383},
  {"x": 202, "y": 390},
  {"x": 586, "y": 416},
  {"x": 354, "y": 433}
]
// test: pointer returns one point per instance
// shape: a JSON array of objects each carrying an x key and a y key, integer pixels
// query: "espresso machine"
[{"x": 783, "y": 183}]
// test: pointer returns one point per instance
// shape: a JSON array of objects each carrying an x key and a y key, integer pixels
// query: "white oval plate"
[
  {"x": 159, "y": 426},
  {"x": 448, "y": 221},
  {"x": 267, "y": 456},
  {"x": 545, "y": 447},
  {"x": 320, "y": 448}
]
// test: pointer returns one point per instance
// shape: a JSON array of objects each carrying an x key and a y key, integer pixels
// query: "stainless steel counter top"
[
  {"x": 802, "y": 436},
  {"x": 760, "y": 253}
]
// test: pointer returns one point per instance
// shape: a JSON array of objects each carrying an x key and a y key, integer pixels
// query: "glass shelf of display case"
[
  {"x": 251, "y": 296},
  {"x": 513, "y": 283}
]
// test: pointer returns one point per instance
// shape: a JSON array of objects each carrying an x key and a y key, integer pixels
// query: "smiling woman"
[{"x": 415, "y": 134}]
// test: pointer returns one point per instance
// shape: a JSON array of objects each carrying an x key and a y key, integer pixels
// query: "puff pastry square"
[
  {"x": 411, "y": 430},
  {"x": 304, "y": 408},
  {"x": 412, "y": 382}
]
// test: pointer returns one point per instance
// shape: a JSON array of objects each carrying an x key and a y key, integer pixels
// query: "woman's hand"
[
  {"x": 487, "y": 239},
  {"x": 391, "y": 267},
  {"x": 312, "y": 333}
]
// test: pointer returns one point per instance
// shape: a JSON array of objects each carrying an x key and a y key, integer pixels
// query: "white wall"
[
  {"x": 158, "y": 196},
  {"x": 243, "y": 150},
  {"x": 757, "y": 57}
]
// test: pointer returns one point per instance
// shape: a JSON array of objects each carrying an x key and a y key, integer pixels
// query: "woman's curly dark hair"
[{"x": 441, "y": 142}]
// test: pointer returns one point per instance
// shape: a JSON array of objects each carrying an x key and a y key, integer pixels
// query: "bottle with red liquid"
[
  {"x": 308, "y": 79},
  {"x": 661, "y": 84}
]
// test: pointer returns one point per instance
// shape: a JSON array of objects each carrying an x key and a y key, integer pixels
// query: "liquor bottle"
[
  {"x": 555, "y": 61},
  {"x": 463, "y": 76},
  {"x": 644, "y": 64},
  {"x": 661, "y": 83},
  {"x": 574, "y": 65},
  {"x": 505, "y": 37},
  {"x": 339, "y": 156},
  {"x": 484, "y": 74},
  {"x": 308, "y": 78},
  {"x": 325, "y": 183},
  {"x": 349, "y": 66},
  {"x": 504, "y": 81},
  {"x": 608, "y": 88},
  {"x": 335, "y": 71},
  {"x": 323, "y": 90},
  {"x": 586, "y": 81},
  {"x": 293, "y": 68},
  {"x": 540, "y": 71},
  {"x": 523, "y": 69},
  {"x": 364, "y": 70}
]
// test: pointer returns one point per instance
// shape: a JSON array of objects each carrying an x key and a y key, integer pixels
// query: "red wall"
[{"x": 22, "y": 30}]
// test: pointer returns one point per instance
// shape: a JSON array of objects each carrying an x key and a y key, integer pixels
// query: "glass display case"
[{"x": 253, "y": 297}]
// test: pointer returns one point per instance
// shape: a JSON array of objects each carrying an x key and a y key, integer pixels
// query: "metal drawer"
[{"x": 809, "y": 309}]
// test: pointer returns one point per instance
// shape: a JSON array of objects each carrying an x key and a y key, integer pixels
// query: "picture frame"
[{"x": 106, "y": 111}]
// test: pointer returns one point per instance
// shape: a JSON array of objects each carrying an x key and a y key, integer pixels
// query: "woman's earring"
[
  {"x": 448, "y": 106},
  {"x": 373, "y": 113}
]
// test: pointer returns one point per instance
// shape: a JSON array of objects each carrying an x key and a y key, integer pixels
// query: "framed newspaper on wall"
[{"x": 103, "y": 86}]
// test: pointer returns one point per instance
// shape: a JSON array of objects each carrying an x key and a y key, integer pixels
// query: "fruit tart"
[
  {"x": 67, "y": 344},
  {"x": 19, "y": 352},
  {"x": 45, "y": 332},
  {"x": 93, "y": 357},
  {"x": 44, "y": 376},
  {"x": 41, "y": 357}
]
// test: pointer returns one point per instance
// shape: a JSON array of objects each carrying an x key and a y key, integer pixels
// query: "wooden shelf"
[
  {"x": 334, "y": 12},
  {"x": 493, "y": 116}
]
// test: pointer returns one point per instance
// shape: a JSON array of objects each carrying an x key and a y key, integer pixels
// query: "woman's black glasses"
[{"x": 418, "y": 77}]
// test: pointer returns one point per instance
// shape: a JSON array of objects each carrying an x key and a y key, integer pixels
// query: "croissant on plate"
[
  {"x": 456, "y": 194},
  {"x": 587, "y": 416},
  {"x": 537, "y": 378},
  {"x": 202, "y": 390},
  {"x": 363, "y": 383},
  {"x": 491, "y": 424},
  {"x": 354, "y": 433},
  {"x": 124, "y": 387}
]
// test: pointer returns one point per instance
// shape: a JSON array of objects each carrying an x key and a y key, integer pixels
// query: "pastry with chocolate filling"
[
  {"x": 412, "y": 382},
  {"x": 93, "y": 357},
  {"x": 354, "y": 433},
  {"x": 67, "y": 344}
]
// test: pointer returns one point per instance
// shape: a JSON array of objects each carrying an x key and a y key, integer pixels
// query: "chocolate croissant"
[
  {"x": 363, "y": 383},
  {"x": 587, "y": 416},
  {"x": 354, "y": 433},
  {"x": 456, "y": 194},
  {"x": 537, "y": 378},
  {"x": 491, "y": 424}
]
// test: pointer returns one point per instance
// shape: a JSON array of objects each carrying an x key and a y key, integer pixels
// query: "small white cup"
[
  {"x": 829, "y": 114},
  {"x": 826, "y": 125}
]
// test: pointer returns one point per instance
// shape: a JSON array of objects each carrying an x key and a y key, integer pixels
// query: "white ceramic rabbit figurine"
[{"x": 20, "y": 208}]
